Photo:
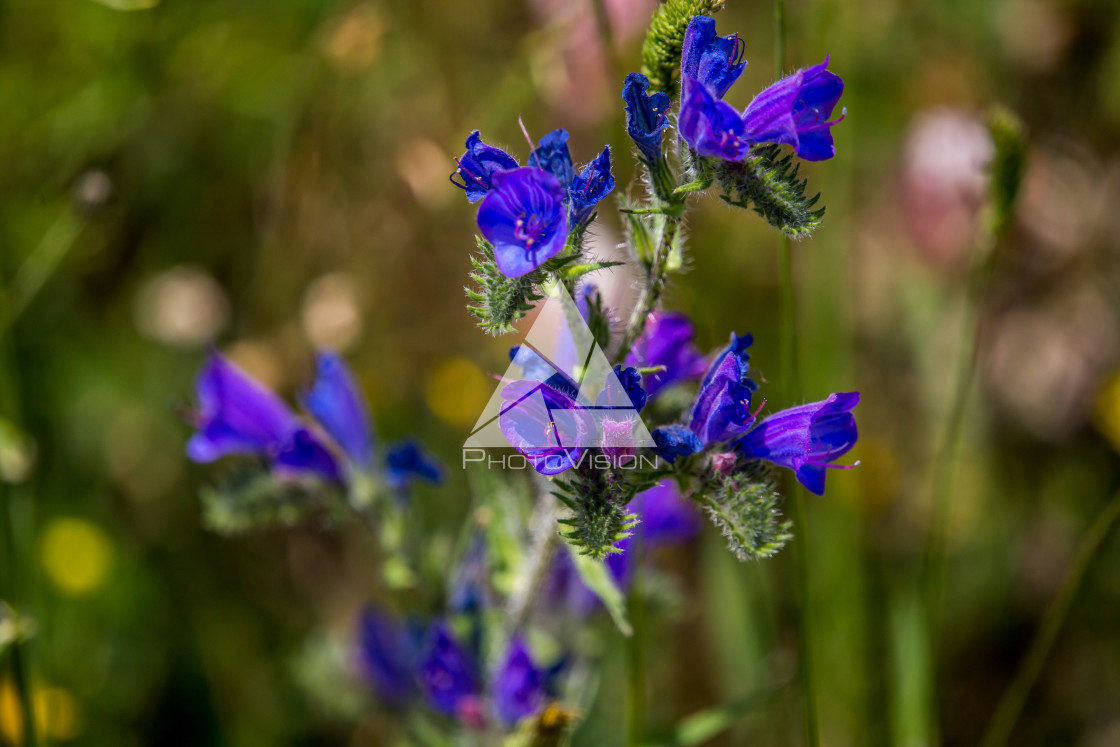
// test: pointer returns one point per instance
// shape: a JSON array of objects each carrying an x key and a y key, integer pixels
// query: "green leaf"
[
  {"x": 574, "y": 272},
  {"x": 128, "y": 4},
  {"x": 597, "y": 577},
  {"x": 707, "y": 724},
  {"x": 1009, "y": 137}
]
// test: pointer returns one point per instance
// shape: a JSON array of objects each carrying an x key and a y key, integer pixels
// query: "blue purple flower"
[
  {"x": 237, "y": 415},
  {"x": 338, "y": 405},
  {"x": 646, "y": 115},
  {"x": 589, "y": 187},
  {"x": 795, "y": 111},
  {"x": 518, "y": 687},
  {"x": 524, "y": 216},
  {"x": 447, "y": 673},
  {"x": 667, "y": 341},
  {"x": 536, "y": 421},
  {"x": 478, "y": 165},
  {"x": 552, "y": 155},
  {"x": 711, "y": 126},
  {"x": 387, "y": 652},
  {"x": 407, "y": 461},
  {"x": 806, "y": 439},
  {"x": 714, "y": 61}
]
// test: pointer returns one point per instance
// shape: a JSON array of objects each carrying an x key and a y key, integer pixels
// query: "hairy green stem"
[
  {"x": 527, "y": 586},
  {"x": 999, "y": 730},
  {"x": 650, "y": 295},
  {"x": 636, "y": 655}
]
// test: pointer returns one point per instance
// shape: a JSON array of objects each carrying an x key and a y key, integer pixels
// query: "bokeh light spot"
[
  {"x": 76, "y": 555},
  {"x": 457, "y": 391}
]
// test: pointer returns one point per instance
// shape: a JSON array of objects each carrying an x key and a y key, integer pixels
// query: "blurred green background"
[{"x": 272, "y": 175}]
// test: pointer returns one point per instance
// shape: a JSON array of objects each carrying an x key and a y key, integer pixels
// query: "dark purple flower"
[
  {"x": 711, "y": 126},
  {"x": 667, "y": 341},
  {"x": 338, "y": 405},
  {"x": 627, "y": 393},
  {"x": 806, "y": 439},
  {"x": 714, "y": 61},
  {"x": 518, "y": 688},
  {"x": 387, "y": 652},
  {"x": 478, "y": 165},
  {"x": 407, "y": 461},
  {"x": 447, "y": 672},
  {"x": 540, "y": 420},
  {"x": 646, "y": 115},
  {"x": 795, "y": 111},
  {"x": 591, "y": 185},
  {"x": 552, "y": 155},
  {"x": 675, "y": 441},
  {"x": 722, "y": 408},
  {"x": 239, "y": 416},
  {"x": 525, "y": 217}
]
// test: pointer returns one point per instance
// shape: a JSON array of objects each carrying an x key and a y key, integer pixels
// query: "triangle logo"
[{"x": 559, "y": 391}]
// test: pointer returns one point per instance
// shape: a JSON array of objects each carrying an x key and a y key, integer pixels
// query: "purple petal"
[{"x": 338, "y": 405}]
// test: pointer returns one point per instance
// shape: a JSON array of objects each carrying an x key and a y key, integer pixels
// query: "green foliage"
[
  {"x": 499, "y": 301},
  {"x": 661, "y": 51},
  {"x": 599, "y": 518},
  {"x": 253, "y": 497},
  {"x": 745, "y": 508},
  {"x": 1010, "y": 140},
  {"x": 768, "y": 182},
  {"x": 597, "y": 577}
]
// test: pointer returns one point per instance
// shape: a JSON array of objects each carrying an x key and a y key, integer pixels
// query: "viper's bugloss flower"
[
  {"x": 711, "y": 126},
  {"x": 553, "y": 156},
  {"x": 646, "y": 115},
  {"x": 447, "y": 673},
  {"x": 524, "y": 215},
  {"x": 387, "y": 652},
  {"x": 237, "y": 415},
  {"x": 589, "y": 187},
  {"x": 714, "y": 61},
  {"x": 478, "y": 165},
  {"x": 407, "y": 461},
  {"x": 675, "y": 441},
  {"x": 806, "y": 439},
  {"x": 631, "y": 394},
  {"x": 795, "y": 111},
  {"x": 338, "y": 406},
  {"x": 537, "y": 420},
  {"x": 518, "y": 686},
  {"x": 667, "y": 340},
  {"x": 722, "y": 408}
]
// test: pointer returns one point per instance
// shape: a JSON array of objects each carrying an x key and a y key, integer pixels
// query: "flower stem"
[
  {"x": 527, "y": 586},
  {"x": 650, "y": 295},
  {"x": 636, "y": 653},
  {"x": 999, "y": 730}
]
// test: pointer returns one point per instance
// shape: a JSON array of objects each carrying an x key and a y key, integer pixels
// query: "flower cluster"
[
  {"x": 407, "y": 661},
  {"x": 237, "y": 415},
  {"x": 528, "y": 212},
  {"x": 794, "y": 111}
]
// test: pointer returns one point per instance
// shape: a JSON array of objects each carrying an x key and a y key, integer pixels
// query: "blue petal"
[
  {"x": 646, "y": 115},
  {"x": 593, "y": 184},
  {"x": 386, "y": 656},
  {"x": 711, "y": 127},
  {"x": 478, "y": 164},
  {"x": 406, "y": 461},
  {"x": 552, "y": 155},
  {"x": 338, "y": 405},
  {"x": 715, "y": 62},
  {"x": 519, "y": 686},
  {"x": 675, "y": 441},
  {"x": 303, "y": 452},
  {"x": 236, "y": 414},
  {"x": 524, "y": 217},
  {"x": 446, "y": 673}
]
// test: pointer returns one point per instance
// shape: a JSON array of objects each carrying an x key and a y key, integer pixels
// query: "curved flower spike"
[
  {"x": 795, "y": 111},
  {"x": 806, "y": 439},
  {"x": 714, "y": 61},
  {"x": 478, "y": 164},
  {"x": 553, "y": 156},
  {"x": 524, "y": 217}
]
